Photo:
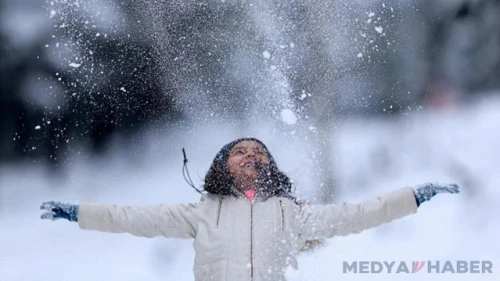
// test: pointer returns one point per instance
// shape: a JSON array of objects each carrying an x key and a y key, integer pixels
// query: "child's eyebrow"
[{"x": 237, "y": 148}]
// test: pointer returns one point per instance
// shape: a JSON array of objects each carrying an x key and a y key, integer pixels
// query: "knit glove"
[
  {"x": 425, "y": 192},
  {"x": 58, "y": 210}
]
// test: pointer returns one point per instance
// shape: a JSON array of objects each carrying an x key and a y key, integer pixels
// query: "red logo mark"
[{"x": 417, "y": 265}]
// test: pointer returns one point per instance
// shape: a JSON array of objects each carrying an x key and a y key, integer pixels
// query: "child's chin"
[{"x": 251, "y": 175}]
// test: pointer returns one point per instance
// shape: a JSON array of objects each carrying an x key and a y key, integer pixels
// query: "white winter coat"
[{"x": 239, "y": 240}]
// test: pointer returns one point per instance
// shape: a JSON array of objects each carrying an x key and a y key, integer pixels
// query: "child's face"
[{"x": 243, "y": 158}]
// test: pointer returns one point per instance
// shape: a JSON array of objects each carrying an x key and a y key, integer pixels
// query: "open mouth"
[{"x": 248, "y": 164}]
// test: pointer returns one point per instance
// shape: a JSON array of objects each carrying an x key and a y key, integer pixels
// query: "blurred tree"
[
  {"x": 463, "y": 48},
  {"x": 114, "y": 87}
]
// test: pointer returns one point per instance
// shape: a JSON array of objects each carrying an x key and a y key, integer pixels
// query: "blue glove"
[
  {"x": 426, "y": 191},
  {"x": 58, "y": 210}
]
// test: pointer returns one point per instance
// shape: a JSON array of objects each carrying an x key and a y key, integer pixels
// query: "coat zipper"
[
  {"x": 282, "y": 207},
  {"x": 251, "y": 240},
  {"x": 218, "y": 211}
]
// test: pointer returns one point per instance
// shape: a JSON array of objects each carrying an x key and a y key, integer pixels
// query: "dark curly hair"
[{"x": 219, "y": 181}]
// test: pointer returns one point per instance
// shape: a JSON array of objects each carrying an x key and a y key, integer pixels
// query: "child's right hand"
[{"x": 58, "y": 210}]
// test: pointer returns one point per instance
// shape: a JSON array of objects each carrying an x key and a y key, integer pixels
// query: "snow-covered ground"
[{"x": 371, "y": 156}]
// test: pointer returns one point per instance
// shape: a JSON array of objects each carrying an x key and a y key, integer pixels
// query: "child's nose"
[{"x": 251, "y": 154}]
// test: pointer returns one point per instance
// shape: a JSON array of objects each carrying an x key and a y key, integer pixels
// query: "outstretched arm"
[
  {"x": 175, "y": 221},
  {"x": 325, "y": 221}
]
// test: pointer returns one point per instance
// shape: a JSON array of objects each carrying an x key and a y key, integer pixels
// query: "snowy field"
[{"x": 372, "y": 157}]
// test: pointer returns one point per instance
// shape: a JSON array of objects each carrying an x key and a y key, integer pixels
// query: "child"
[{"x": 247, "y": 225}]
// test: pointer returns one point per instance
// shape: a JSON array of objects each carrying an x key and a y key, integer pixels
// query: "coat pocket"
[{"x": 213, "y": 270}]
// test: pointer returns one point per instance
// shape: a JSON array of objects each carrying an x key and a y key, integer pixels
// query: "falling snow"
[{"x": 288, "y": 116}]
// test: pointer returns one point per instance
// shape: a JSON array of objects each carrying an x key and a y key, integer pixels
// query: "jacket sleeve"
[
  {"x": 174, "y": 221},
  {"x": 326, "y": 221}
]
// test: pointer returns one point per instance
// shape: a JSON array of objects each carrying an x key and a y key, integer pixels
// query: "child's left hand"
[{"x": 426, "y": 191}]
